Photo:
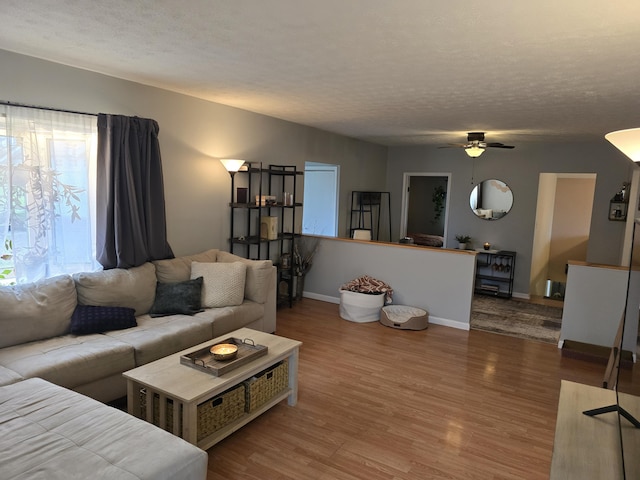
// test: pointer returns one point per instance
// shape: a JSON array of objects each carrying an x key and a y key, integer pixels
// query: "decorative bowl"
[{"x": 224, "y": 351}]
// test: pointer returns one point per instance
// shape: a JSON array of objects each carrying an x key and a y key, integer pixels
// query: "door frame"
[
  {"x": 406, "y": 182},
  {"x": 332, "y": 194}
]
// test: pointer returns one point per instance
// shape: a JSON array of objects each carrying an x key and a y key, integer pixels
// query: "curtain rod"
[{"x": 24, "y": 105}]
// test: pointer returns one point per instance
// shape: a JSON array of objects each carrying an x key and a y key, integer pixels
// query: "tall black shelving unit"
[
  {"x": 495, "y": 271},
  {"x": 245, "y": 217},
  {"x": 280, "y": 182},
  {"x": 283, "y": 184},
  {"x": 366, "y": 212}
]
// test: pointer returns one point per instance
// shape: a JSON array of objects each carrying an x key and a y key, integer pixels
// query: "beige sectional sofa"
[
  {"x": 35, "y": 320},
  {"x": 49, "y": 432}
]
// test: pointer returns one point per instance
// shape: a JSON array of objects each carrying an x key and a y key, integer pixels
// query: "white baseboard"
[
  {"x": 435, "y": 320},
  {"x": 323, "y": 298},
  {"x": 449, "y": 323},
  {"x": 524, "y": 296}
]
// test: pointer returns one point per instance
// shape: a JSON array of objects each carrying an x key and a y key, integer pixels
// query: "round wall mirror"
[{"x": 491, "y": 199}]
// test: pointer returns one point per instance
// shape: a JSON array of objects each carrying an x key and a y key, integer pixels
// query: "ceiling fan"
[{"x": 476, "y": 145}]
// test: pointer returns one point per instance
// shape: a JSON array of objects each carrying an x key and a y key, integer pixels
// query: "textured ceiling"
[{"x": 394, "y": 72}]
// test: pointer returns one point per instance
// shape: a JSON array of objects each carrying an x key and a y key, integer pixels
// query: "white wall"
[
  {"x": 571, "y": 224},
  {"x": 193, "y": 135},
  {"x": 594, "y": 303},
  {"x": 542, "y": 233}
]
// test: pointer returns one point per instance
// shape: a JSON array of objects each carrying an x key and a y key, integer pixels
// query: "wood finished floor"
[{"x": 377, "y": 403}]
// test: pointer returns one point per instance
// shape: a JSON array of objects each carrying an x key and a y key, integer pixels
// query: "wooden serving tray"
[{"x": 203, "y": 359}]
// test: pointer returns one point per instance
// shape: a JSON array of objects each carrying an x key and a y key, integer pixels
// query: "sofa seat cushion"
[
  {"x": 119, "y": 287},
  {"x": 36, "y": 310},
  {"x": 157, "y": 337},
  {"x": 240, "y": 316},
  {"x": 8, "y": 376},
  {"x": 53, "y": 433},
  {"x": 179, "y": 269},
  {"x": 70, "y": 360}
]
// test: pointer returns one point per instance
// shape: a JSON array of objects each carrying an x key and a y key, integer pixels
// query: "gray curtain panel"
[{"x": 131, "y": 220}]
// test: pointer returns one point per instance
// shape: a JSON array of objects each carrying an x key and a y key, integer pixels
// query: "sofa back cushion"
[
  {"x": 132, "y": 287},
  {"x": 36, "y": 311},
  {"x": 176, "y": 270},
  {"x": 258, "y": 275}
]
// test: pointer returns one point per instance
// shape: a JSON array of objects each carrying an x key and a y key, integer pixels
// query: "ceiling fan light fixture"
[
  {"x": 627, "y": 141},
  {"x": 474, "y": 151}
]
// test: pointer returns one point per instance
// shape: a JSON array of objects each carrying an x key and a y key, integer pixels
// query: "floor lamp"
[{"x": 232, "y": 165}]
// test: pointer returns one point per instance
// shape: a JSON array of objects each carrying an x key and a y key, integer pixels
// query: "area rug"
[{"x": 516, "y": 318}]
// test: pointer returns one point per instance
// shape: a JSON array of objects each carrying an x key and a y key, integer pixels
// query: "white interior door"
[{"x": 320, "y": 209}]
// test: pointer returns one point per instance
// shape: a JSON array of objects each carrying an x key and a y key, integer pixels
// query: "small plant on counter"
[{"x": 463, "y": 238}]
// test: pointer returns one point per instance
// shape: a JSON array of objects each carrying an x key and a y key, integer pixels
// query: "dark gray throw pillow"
[
  {"x": 94, "y": 319},
  {"x": 177, "y": 298}
]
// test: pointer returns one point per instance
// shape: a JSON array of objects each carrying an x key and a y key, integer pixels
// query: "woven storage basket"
[
  {"x": 265, "y": 385},
  {"x": 213, "y": 414}
]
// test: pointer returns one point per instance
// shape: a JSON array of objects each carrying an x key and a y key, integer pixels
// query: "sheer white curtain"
[{"x": 47, "y": 193}]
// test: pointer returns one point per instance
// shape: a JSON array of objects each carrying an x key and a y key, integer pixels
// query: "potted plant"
[{"x": 462, "y": 241}]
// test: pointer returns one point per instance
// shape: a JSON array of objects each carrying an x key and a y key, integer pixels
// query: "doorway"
[
  {"x": 425, "y": 204},
  {"x": 563, "y": 222},
  {"x": 320, "y": 199}
]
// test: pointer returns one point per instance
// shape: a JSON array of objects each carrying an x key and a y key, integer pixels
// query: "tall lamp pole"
[{"x": 232, "y": 165}]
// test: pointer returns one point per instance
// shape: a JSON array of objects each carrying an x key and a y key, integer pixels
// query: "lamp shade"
[
  {"x": 474, "y": 151},
  {"x": 232, "y": 164},
  {"x": 627, "y": 141}
]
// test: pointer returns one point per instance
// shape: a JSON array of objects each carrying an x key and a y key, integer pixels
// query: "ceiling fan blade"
[
  {"x": 499, "y": 145},
  {"x": 455, "y": 145}
]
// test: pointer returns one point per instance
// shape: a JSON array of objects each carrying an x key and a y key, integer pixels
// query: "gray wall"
[
  {"x": 193, "y": 135},
  {"x": 519, "y": 168},
  {"x": 438, "y": 281}
]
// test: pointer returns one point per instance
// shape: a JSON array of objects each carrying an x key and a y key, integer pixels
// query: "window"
[{"x": 47, "y": 193}]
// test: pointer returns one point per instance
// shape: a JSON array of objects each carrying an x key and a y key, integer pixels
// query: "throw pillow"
[
  {"x": 95, "y": 319},
  {"x": 178, "y": 298},
  {"x": 223, "y": 284},
  {"x": 259, "y": 273}
]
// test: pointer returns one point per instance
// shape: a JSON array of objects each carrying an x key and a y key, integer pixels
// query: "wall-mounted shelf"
[{"x": 618, "y": 211}]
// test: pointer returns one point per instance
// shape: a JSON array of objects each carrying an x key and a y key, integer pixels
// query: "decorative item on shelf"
[
  {"x": 285, "y": 261},
  {"x": 287, "y": 199},
  {"x": 265, "y": 200},
  {"x": 242, "y": 195},
  {"x": 303, "y": 252},
  {"x": 269, "y": 228},
  {"x": 462, "y": 241},
  {"x": 487, "y": 246}
]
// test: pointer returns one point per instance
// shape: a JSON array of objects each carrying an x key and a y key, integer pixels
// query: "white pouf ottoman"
[
  {"x": 360, "y": 307},
  {"x": 404, "y": 317}
]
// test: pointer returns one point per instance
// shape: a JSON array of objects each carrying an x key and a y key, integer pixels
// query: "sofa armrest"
[{"x": 270, "y": 304}]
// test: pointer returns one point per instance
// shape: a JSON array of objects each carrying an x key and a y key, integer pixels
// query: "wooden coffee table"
[{"x": 188, "y": 387}]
